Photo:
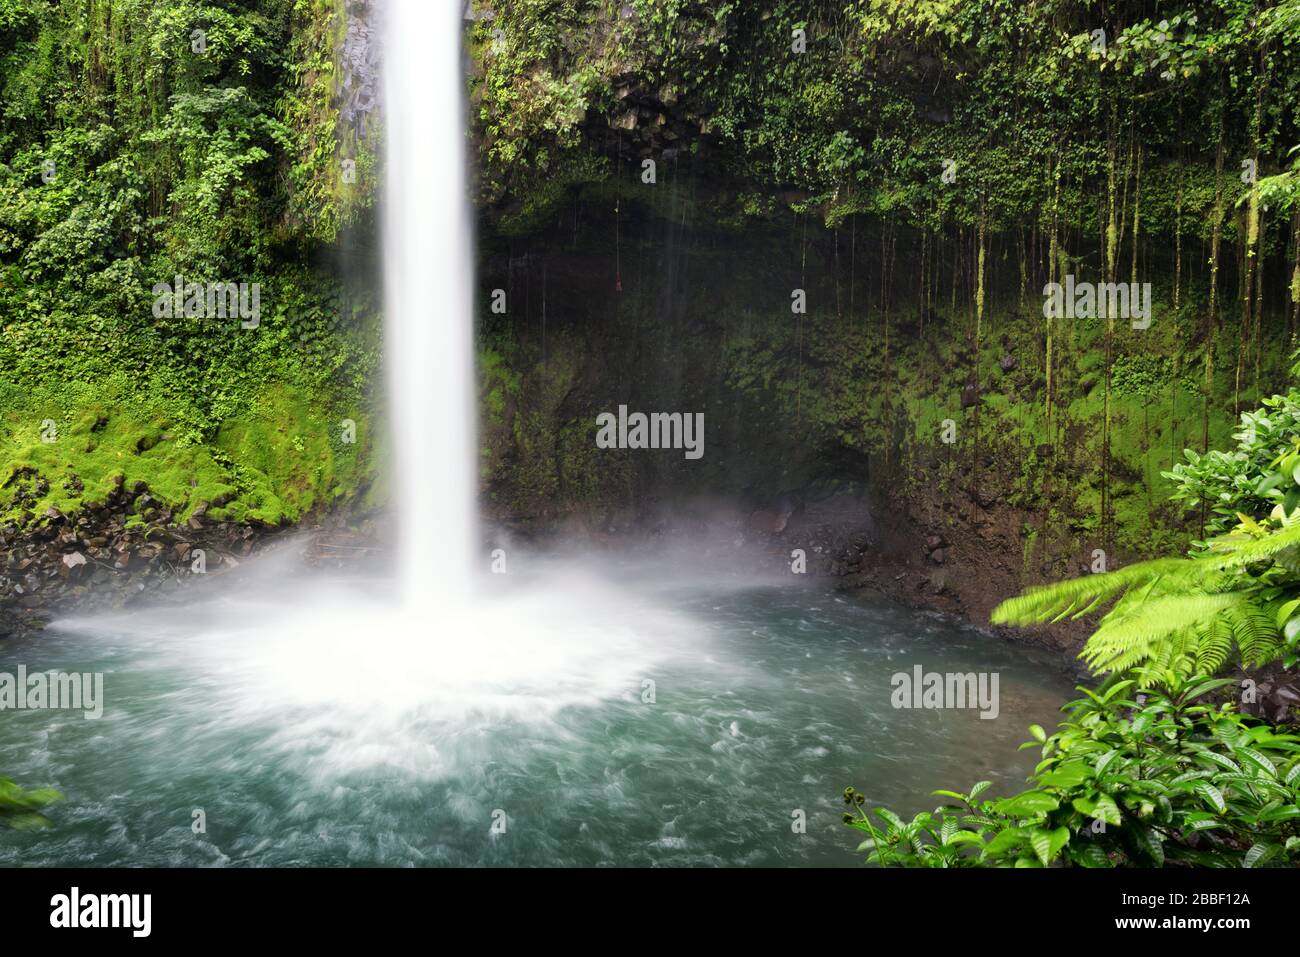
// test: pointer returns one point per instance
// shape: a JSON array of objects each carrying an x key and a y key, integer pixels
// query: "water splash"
[{"x": 361, "y": 672}]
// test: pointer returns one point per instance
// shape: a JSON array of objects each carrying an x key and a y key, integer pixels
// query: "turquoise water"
[{"x": 346, "y": 744}]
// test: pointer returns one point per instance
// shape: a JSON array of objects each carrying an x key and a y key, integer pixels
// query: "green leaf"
[
  {"x": 1217, "y": 759},
  {"x": 1260, "y": 854},
  {"x": 1284, "y": 613},
  {"x": 1038, "y": 733},
  {"x": 894, "y": 820},
  {"x": 1066, "y": 775},
  {"x": 1285, "y": 812},
  {"x": 1292, "y": 774},
  {"x": 1104, "y": 761},
  {"x": 1259, "y": 761},
  {"x": 1212, "y": 795},
  {"x": 1047, "y": 844},
  {"x": 951, "y": 794},
  {"x": 1089, "y": 855},
  {"x": 1105, "y": 809},
  {"x": 1206, "y": 686},
  {"x": 1117, "y": 687},
  {"x": 1149, "y": 840},
  {"x": 1027, "y": 803},
  {"x": 27, "y": 821},
  {"x": 1004, "y": 841}
]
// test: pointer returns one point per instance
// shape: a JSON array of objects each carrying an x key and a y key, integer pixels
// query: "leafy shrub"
[
  {"x": 1238, "y": 592},
  {"x": 1249, "y": 479},
  {"x": 1163, "y": 777}
]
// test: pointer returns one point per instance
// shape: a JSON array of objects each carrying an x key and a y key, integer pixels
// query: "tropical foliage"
[
  {"x": 1150, "y": 769},
  {"x": 1237, "y": 593},
  {"x": 1162, "y": 777},
  {"x": 140, "y": 141},
  {"x": 1251, "y": 478}
]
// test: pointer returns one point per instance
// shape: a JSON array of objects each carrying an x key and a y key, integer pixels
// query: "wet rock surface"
[
  {"x": 1271, "y": 693},
  {"x": 111, "y": 554}
]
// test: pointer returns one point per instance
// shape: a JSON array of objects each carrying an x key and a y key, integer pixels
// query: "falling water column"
[{"x": 428, "y": 310}]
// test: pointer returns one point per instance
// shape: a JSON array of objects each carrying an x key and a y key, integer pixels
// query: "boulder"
[{"x": 72, "y": 565}]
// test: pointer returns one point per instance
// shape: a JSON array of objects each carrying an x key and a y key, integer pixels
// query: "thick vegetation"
[
  {"x": 1149, "y": 769},
  {"x": 141, "y": 142},
  {"x": 1150, "y": 779}
]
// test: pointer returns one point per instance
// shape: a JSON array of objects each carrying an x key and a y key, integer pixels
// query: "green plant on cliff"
[
  {"x": 1251, "y": 478},
  {"x": 1239, "y": 591}
]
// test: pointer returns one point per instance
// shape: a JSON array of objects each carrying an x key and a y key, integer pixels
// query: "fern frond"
[
  {"x": 1215, "y": 645},
  {"x": 1177, "y": 652},
  {"x": 1045, "y": 602},
  {"x": 1257, "y": 637},
  {"x": 1132, "y": 634},
  {"x": 1237, "y": 549},
  {"x": 1175, "y": 613}
]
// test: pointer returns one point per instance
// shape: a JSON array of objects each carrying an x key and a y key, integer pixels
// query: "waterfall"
[
  {"x": 428, "y": 301},
  {"x": 318, "y": 677}
]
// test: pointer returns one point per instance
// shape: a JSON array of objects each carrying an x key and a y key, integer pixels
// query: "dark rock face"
[
  {"x": 359, "y": 66},
  {"x": 1270, "y": 693},
  {"x": 768, "y": 520},
  {"x": 773, "y": 519}
]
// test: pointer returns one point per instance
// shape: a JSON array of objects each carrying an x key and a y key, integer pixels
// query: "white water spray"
[{"x": 428, "y": 311}]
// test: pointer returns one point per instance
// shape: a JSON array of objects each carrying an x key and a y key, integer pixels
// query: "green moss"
[{"x": 272, "y": 464}]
